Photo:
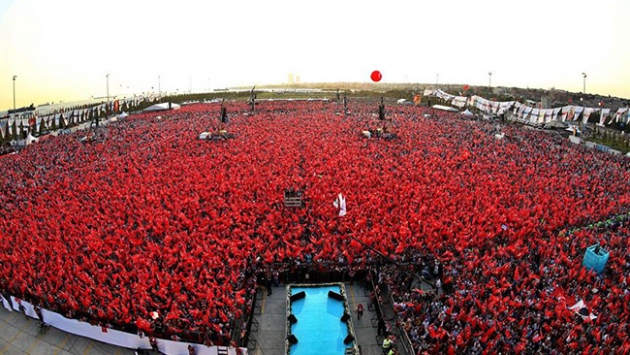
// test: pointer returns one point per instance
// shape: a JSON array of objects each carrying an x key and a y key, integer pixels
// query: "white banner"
[
  {"x": 566, "y": 110},
  {"x": 526, "y": 112},
  {"x": 505, "y": 106},
  {"x": 603, "y": 115},
  {"x": 517, "y": 107},
  {"x": 534, "y": 115},
  {"x": 6, "y": 304},
  {"x": 548, "y": 115},
  {"x": 620, "y": 114},
  {"x": 556, "y": 111},
  {"x": 111, "y": 336},
  {"x": 482, "y": 104},
  {"x": 587, "y": 113},
  {"x": 541, "y": 116},
  {"x": 28, "y": 308},
  {"x": 459, "y": 101},
  {"x": 578, "y": 111}
]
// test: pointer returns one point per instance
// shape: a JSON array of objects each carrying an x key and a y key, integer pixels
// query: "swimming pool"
[{"x": 319, "y": 329}]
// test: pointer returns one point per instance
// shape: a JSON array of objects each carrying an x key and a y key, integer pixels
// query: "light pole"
[
  {"x": 584, "y": 83},
  {"x": 107, "y": 81},
  {"x": 489, "y": 79},
  {"x": 14, "y": 77}
]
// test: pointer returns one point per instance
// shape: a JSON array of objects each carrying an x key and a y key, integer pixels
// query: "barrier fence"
[{"x": 111, "y": 336}]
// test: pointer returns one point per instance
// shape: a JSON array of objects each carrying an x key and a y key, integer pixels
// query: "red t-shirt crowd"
[{"x": 147, "y": 226}]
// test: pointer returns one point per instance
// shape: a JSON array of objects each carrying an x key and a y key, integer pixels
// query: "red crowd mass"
[{"x": 147, "y": 226}]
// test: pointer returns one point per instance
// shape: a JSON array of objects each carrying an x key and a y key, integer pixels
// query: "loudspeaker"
[
  {"x": 345, "y": 317},
  {"x": 335, "y": 296},
  {"x": 293, "y": 340},
  {"x": 291, "y": 318},
  {"x": 298, "y": 296},
  {"x": 349, "y": 339}
]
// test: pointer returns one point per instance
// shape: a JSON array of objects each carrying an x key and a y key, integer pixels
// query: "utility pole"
[
  {"x": 107, "y": 82},
  {"x": 14, "y": 77}
]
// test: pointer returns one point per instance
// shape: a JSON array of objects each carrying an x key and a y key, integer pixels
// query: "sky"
[{"x": 63, "y": 50}]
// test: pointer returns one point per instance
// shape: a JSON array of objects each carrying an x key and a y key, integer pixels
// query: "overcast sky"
[{"x": 63, "y": 49}]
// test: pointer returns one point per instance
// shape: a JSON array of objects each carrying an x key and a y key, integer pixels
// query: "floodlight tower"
[{"x": 14, "y": 77}]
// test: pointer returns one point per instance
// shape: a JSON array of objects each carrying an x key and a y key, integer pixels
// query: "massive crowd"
[
  {"x": 517, "y": 298},
  {"x": 147, "y": 227}
]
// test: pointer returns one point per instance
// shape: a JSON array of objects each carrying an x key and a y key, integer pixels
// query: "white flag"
[{"x": 340, "y": 203}]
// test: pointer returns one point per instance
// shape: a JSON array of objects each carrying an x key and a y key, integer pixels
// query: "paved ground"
[
  {"x": 272, "y": 322},
  {"x": 19, "y": 336}
]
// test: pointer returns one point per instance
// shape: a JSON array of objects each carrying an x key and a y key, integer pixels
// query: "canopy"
[
  {"x": 445, "y": 108},
  {"x": 467, "y": 113},
  {"x": 124, "y": 115},
  {"x": 570, "y": 129},
  {"x": 30, "y": 139},
  {"x": 162, "y": 107}
]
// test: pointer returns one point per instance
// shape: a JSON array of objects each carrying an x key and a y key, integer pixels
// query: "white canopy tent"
[
  {"x": 30, "y": 139},
  {"x": 467, "y": 113},
  {"x": 445, "y": 108},
  {"x": 571, "y": 128},
  {"x": 162, "y": 107}
]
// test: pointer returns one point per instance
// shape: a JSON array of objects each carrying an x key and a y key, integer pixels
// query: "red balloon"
[
  {"x": 466, "y": 87},
  {"x": 376, "y": 76}
]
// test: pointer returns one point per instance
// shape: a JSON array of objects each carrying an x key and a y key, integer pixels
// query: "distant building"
[
  {"x": 291, "y": 79},
  {"x": 545, "y": 102}
]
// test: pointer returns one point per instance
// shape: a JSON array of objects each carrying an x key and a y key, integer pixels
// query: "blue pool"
[{"x": 319, "y": 329}]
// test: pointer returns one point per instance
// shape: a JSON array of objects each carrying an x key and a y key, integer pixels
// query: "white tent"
[
  {"x": 445, "y": 108},
  {"x": 123, "y": 115},
  {"x": 403, "y": 102},
  {"x": 570, "y": 129},
  {"x": 467, "y": 113},
  {"x": 30, "y": 139},
  {"x": 162, "y": 107}
]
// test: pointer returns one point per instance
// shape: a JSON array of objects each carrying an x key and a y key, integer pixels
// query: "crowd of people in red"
[
  {"x": 147, "y": 227},
  {"x": 508, "y": 297}
]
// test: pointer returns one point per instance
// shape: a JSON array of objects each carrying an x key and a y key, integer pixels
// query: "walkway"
[{"x": 19, "y": 336}]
